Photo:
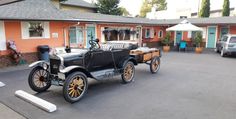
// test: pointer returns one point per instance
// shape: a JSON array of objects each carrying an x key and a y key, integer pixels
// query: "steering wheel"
[{"x": 94, "y": 44}]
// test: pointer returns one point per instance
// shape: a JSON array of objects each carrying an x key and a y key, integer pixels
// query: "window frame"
[{"x": 25, "y": 30}]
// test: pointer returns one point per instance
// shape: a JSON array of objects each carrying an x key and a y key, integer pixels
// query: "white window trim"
[
  {"x": 3, "y": 42},
  {"x": 25, "y": 31}
]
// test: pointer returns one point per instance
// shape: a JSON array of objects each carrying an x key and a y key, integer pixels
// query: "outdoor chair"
[{"x": 182, "y": 45}]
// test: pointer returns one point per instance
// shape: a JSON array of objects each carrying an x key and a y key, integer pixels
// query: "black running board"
[{"x": 105, "y": 74}]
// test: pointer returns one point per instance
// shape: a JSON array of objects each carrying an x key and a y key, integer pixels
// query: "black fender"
[{"x": 130, "y": 58}]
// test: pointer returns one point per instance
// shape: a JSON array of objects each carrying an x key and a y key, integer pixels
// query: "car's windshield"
[{"x": 232, "y": 40}]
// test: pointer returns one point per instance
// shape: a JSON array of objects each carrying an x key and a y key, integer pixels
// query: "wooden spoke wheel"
[
  {"x": 75, "y": 87},
  {"x": 155, "y": 65},
  {"x": 128, "y": 72},
  {"x": 39, "y": 79}
]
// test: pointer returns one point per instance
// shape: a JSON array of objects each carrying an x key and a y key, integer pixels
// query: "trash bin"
[{"x": 44, "y": 52}]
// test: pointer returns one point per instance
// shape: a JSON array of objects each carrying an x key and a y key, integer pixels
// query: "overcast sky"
[{"x": 133, "y": 6}]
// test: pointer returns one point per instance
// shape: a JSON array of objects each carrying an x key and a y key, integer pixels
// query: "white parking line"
[
  {"x": 45, "y": 105},
  {"x": 2, "y": 84}
]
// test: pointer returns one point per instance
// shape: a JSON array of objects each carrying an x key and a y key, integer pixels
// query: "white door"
[{"x": 2, "y": 37}]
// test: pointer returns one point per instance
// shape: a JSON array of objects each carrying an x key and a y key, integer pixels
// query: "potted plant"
[
  {"x": 166, "y": 42},
  {"x": 198, "y": 40}
]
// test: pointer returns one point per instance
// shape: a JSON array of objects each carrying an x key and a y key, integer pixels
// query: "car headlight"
[{"x": 45, "y": 66}]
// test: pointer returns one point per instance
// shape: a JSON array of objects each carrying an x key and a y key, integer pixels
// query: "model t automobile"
[{"x": 72, "y": 68}]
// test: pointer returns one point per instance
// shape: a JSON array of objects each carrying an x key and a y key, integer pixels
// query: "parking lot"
[{"x": 188, "y": 86}]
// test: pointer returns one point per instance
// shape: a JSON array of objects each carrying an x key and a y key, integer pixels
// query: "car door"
[{"x": 100, "y": 60}]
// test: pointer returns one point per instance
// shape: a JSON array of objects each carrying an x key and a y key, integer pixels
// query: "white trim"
[
  {"x": 216, "y": 34},
  {"x": 3, "y": 41}
]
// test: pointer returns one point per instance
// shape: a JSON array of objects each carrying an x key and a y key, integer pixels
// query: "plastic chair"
[{"x": 183, "y": 45}]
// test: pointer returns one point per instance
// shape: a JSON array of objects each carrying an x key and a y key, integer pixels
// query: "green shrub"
[
  {"x": 198, "y": 39},
  {"x": 166, "y": 41}
]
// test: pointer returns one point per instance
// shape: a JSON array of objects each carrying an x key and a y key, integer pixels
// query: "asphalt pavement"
[{"x": 188, "y": 86}]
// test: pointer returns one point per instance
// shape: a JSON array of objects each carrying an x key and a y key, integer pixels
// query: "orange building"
[{"x": 32, "y": 23}]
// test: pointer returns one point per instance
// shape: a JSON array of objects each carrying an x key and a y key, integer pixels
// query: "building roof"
[
  {"x": 212, "y": 11},
  {"x": 45, "y": 10},
  {"x": 3, "y": 2},
  {"x": 31, "y": 10},
  {"x": 80, "y": 3}
]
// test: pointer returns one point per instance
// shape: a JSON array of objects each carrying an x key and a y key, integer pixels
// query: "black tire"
[
  {"x": 39, "y": 80},
  {"x": 128, "y": 72},
  {"x": 155, "y": 65},
  {"x": 75, "y": 87}
]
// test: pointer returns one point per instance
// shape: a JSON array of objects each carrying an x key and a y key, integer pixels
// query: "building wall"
[{"x": 81, "y": 9}]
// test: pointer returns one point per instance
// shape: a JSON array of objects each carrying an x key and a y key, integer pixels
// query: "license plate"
[{"x": 61, "y": 76}]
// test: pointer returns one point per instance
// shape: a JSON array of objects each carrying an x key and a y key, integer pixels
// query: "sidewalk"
[
  {"x": 8, "y": 113},
  {"x": 14, "y": 68}
]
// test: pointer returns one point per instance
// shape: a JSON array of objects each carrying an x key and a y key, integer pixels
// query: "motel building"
[{"x": 31, "y": 23}]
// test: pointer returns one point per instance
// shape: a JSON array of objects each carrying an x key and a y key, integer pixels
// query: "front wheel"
[
  {"x": 155, "y": 65},
  {"x": 128, "y": 72},
  {"x": 75, "y": 87},
  {"x": 39, "y": 80}
]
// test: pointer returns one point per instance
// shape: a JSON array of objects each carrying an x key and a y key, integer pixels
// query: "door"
[
  {"x": 76, "y": 36},
  {"x": 211, "y": 37},
  {"x": 178, "y": 36},
  {"x": 90, "y": 34},
  {"x": 224, "y": 31}
]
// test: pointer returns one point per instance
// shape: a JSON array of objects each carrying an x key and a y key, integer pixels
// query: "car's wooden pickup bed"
[{"x": 145, "y": 54}]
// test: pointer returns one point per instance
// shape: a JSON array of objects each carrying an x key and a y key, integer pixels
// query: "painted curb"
[
  {"x": 42, "y": 104},
  {"x": 2, "y": 84}
]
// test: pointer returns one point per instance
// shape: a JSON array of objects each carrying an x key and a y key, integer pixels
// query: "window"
[
  {"x": 35, "y": 29},
  {"x": 160, "y": 34},
  {"x": 232, "y": 40},
  {"x": 224, "y": 38},
  {"x": 76, "y": 35},
  {"x": 147, "y": 33},
  {"x": 114, "y": 34}
]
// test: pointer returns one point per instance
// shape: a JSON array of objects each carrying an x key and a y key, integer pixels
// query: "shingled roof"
[
  {"x": 80, "y": 3},
  {"x": 45, "y": 10},
  {"x": 31, "y": 10}
]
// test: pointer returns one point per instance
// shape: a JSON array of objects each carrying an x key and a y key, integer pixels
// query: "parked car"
[
  {"x": 226, "y": 45},
  {"x": 70, "y": 67}
]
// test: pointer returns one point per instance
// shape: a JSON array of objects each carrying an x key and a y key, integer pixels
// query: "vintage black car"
[{"x": 72, "y": 68}]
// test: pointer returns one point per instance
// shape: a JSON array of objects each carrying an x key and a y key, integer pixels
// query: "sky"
[{"x": 133, "y": 6}]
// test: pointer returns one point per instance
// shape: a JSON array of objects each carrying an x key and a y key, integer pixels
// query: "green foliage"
[
  {"x": 148, "y": 4},
  {"x": 226, "y": 9},
  {"x": 124, "y": 11},
  {"x": 198, "y": 39},
  {"x": 109, "y": 7},
  {"x": 205, "y": 9},
  {"x": 167, "y": 41}
]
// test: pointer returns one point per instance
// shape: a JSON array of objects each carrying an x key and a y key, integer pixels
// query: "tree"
[
  {"x": 226, "y": 9},
  {"x": 148, "y": 4},
  {"x": 124, "y": 11},
  {"x": 109, "y": 7},
  {"x": 205, "y": 9}
]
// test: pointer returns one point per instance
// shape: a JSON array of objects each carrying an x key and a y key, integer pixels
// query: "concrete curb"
[
  {"x": 42, "y": 104},
  {"x": 14, "y": 68}
]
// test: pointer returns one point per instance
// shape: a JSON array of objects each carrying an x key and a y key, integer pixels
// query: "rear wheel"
[
  {"x": 75, "y": 87},
  {"x": 39, "y": 80},
  {"x": 155, "y": 65},
  {"x": 128, "y": 72}
]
